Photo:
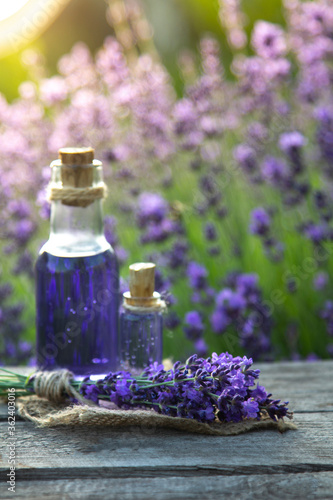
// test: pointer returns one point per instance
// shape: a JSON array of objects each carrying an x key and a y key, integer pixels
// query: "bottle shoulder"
[
  {"x": 66, "y": 248},
  {"x": 107, "y": 261}
]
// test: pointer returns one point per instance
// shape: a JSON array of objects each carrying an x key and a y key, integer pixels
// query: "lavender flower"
[
  {"x": 325, "y": 133},
  {"x": 240, "y": 310},
  {"x": 151, "y": 208},
  {"x": 193, "y": 325},
  {"x": 291, "y": 141},
  {"x": 246, "y": 157},
  {"x": 320, "y": 280},
  {"x": 260, "y": 222},
  {"x": 268, "y": 40},
  {"x": 274, "y": 171},
  {"x": 201, "y": 389},
  {"x": 210, "y": 231},
  {"x": 197, "y": 275}
]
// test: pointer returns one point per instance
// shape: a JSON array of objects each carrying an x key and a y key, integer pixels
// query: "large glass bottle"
[
  {"x": 141, "y": 321},
  {"x": 77, "y": 277}
]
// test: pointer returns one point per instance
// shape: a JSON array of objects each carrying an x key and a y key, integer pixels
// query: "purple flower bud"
[
  {"x": 210, "y": 231},
  {"x": 193, "y": 325},
  {"x": 320, "y": 280},
  {"x": 260, "y": 222},
  {"x": 274, "y": 170},
  {"x": 151, "y": 208},
  {"x": 197, "y": 275},
  {"x": 201, "y": 347},
  {"x": 246, "y": 157},
  {"x": 290, "y": 142},
  {"x": 172, "y": 320},
  {"x": 268, "y": 40},
  {"x": 219, "y": 321}
]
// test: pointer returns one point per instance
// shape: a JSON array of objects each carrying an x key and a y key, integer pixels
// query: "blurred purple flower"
[
  {"x": 177, "y": 256},
  {"x": 219, "y": 321},
  {"x": 274, "y": 170},
  {"x": 320, "y": 280},
  {"x": 230, "y": 301},
  {"x": 325, "y": 133},
  {"x": 201, "y": 348},
  {"x": 260, "y": 222},
  {"x": 246, "y": 157},
  {"x": 193, "y": 325},
  {"x": 22, "y": 231},
  {"x": 197, "y": 275},
  {"x": 172, "y": 320},
  {"x": 268, "y": 40},
  {"x": 290, "y": 142},
  {"x": 20, "y": 209},
  {"x": 152, "y": 207},
  {"x": 317, "y": 233},
  {"x": 210, "y": 231}
]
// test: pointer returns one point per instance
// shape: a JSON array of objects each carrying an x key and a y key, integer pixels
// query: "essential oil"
[{"x": 77, "y": 312}]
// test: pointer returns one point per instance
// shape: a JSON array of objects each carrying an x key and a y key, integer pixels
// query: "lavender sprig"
[{"x": 221, "y": 386}]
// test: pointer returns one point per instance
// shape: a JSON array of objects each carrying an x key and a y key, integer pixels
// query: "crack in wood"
[{"x": 72, "y": 473}]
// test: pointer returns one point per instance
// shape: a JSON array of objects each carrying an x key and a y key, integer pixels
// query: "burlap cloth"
[{"x": 47, "y": 414}]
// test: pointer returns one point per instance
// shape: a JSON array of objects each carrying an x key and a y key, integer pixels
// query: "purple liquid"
[{"x": 77, "y": 312}]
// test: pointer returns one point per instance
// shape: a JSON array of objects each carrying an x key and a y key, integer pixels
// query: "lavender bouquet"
[{"x": 221, "y": 386}]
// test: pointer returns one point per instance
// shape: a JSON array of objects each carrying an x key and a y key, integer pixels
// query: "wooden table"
[{"x": 126, "y": 464}]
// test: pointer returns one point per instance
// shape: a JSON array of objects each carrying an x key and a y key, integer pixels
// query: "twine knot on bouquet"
[{"x": 55, "y": 386}]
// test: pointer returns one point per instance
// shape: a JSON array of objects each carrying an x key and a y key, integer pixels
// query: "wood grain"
[
  {"x": 289, "y": 486},
  {"x": 67, "y": 447}
]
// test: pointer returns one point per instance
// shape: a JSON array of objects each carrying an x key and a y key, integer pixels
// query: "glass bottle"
[
  {"x": 77, "y": 277},
  {"x": 141, "y": 321}
]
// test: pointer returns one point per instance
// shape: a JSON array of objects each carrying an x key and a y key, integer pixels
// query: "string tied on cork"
[
  {"x": 76, "y": 185},
  {"x": 142, "y": 296}
]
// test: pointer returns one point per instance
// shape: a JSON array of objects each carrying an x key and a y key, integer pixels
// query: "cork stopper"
[
  {"x": 142, "y": 279},
  {"x": 142, "y": 285},
  {"x": 77, "y": 170},
  {"x": 76, "y": 156}
]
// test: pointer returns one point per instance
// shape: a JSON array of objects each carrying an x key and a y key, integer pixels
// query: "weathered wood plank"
[
  {"x": 141, "y": 448},
  {"x": 73, "y": 473},
  {"x": 292, "y": 486},
  {"x": 305, "y": 385}
]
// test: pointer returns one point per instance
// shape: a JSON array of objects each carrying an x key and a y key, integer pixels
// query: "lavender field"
[{"x": 227, "y": 187}]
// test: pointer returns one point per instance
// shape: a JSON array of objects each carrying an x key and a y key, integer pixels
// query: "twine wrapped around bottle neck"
[{"x": 77, "y": 197}]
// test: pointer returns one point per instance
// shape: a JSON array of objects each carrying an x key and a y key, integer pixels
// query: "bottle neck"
[
  {"x": 76, "y": 230},
  {"x": 143, "y": 304}
]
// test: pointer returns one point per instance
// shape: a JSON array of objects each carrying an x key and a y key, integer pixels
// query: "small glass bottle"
[
  {"x": 141, "y": 322},
  {"x": 77, "y": 278}
]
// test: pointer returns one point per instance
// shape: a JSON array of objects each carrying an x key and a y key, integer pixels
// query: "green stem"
[{"x": 169, "y": 382}]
